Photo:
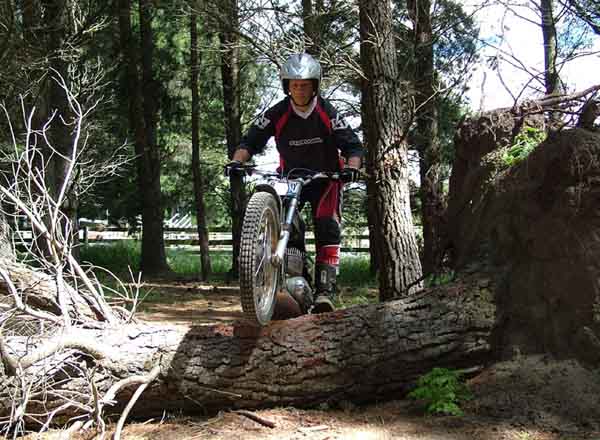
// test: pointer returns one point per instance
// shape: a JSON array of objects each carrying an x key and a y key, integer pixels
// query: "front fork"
[{"x": 284, "y": 237}]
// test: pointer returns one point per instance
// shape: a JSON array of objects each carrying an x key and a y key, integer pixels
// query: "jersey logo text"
[{"x": 300, "y": 142}]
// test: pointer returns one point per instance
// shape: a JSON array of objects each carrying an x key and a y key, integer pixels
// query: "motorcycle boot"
[{"x": 325, "y": 277}]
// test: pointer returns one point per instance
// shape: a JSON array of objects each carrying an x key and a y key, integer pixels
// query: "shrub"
[{"x": 442, "y": 391}]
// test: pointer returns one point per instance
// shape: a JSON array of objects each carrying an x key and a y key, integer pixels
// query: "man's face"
[{"x": 301, "y": 91}]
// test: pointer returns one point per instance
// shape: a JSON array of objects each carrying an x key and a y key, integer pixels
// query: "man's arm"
[
  {"x": 254, "y": 141},
  {"x": 345, "y": 137}
]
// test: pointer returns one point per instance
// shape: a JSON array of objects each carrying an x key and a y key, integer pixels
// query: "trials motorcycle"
[{"x": 275, "y": 273}]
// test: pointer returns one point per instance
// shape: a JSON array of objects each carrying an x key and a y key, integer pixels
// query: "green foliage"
[
  {"x": 117, "y": 199},
  {"x": 354, "y": 210},
  {"x": 525, "y": 142},
  {"x": 442, "y": 391},
  {"x": 455, "y": 51},
  {"x": 440, "y": 279}
]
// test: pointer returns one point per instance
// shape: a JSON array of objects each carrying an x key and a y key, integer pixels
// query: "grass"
[
  {"x": 184, "y": 262},
  {"x": 118, "y": 257},
  {"x": 355, "y": 281},
  {"x": 348, "y": 297},
  {"x": 355, "y": 271}
]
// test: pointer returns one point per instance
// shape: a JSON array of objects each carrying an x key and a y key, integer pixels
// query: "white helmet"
[{"x": 300, "y": 66}]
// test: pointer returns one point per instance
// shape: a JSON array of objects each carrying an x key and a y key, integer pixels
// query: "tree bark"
[
  {"x": 154, "y": 259},
  {"x": 426, "y": 138},
  {"x": 129, "y": 58},
  {"x": 55, "y": 112},
  {"x": 143, "y": 125},
  {"x": 371, "y": 219},
  {"x": 357, "y": 354},
  {"x": 551, "y": 77},
  {"x": 387, "y": 160},
  {"x": 230, "y": 75},
  {"x": 196, "y": 166}
]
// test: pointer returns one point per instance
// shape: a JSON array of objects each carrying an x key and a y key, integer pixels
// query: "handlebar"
[{"x": 299, "y": 174}]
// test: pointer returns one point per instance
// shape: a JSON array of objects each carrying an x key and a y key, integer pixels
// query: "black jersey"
[{"x": 314, "y": 143}]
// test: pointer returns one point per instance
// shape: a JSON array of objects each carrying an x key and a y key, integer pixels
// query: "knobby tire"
[{"x": 262, "y": 211}]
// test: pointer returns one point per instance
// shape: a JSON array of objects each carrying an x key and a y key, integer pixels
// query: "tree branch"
[{"x": 145, "y": 381}]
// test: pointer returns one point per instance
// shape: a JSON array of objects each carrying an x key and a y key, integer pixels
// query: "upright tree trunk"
[
  {"x": 230, "y": 75},
  {"x": 32, "y": 23},
  {"x": 134, "y": 95},
  {"x": 56, "y": 166},
  {"x": 196, "y": 167},
  {"x": 371, "y": 219},
  {"x": 432, "y": 199},
  {"x": 142, "y": 122},
  {"x": 551, "y": 78},
  {"x": 153, "y": 246},
  {"x": 387, "y": 160},
  {"x": 31, "y": 19}
]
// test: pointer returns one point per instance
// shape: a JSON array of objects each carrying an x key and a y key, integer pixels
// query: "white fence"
[{"x": 218, "y": 239}]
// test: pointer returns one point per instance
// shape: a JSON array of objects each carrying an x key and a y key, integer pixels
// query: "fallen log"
[{"x": 356, "y": 354}]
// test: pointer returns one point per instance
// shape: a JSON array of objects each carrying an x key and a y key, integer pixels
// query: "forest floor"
[{"x": 526, "y": 398}]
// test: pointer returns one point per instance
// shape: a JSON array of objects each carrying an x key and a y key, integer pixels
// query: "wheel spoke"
[
  {"x": 260, "y": 264},
  {"x": 264, "y": 249}
]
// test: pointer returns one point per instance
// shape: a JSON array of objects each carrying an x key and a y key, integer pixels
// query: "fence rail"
[{"x": 218, "y": 239}]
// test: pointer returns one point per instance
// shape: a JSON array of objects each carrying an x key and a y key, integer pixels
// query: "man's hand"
[
  {"x": 234, "y": 168},
  {"x": 350, "y": 174}
]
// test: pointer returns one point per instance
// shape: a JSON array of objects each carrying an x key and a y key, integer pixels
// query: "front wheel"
[{"x": 258, "y": 276}]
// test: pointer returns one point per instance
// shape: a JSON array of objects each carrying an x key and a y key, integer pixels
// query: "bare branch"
[
  {"x": 145, "y": 381},
  {"x": 19, "y": 303},
  {"x": 554, "y": 100}
]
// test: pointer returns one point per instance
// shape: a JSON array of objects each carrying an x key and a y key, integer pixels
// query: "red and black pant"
[{"x": 325, "y": 201}]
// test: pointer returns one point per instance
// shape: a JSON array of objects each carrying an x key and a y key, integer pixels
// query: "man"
[{"x": 310, "y": 134}]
